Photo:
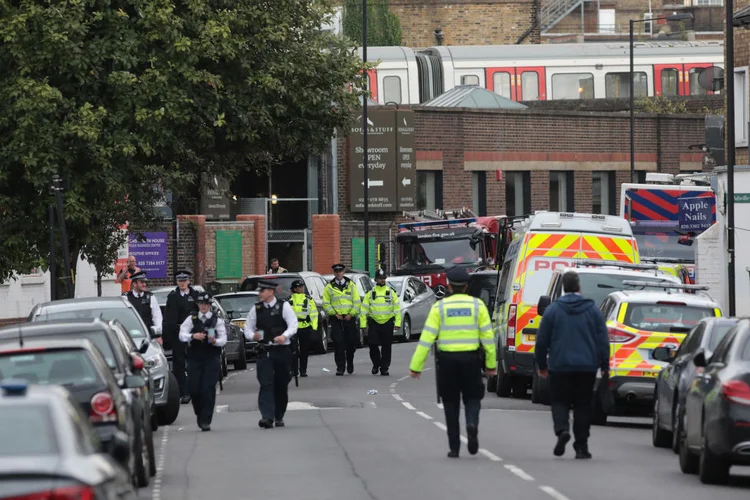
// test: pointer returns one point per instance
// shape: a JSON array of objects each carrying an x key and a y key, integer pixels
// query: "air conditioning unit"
[{"x": 648, "y": 25}]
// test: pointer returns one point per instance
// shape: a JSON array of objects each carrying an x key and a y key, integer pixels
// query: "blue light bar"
[
  {"x": 14, "y": 387},
  {"x": 433, "y": 223}
]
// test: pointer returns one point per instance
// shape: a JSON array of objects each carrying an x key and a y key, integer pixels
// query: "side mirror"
[
  {"x": 155, "y": 332},
  {"x": 135, "y": 382},
  {"x": 120, "y": 448},
  {"x": 663, "y": 354},
  {"x": 700, "y": 358},
  {"x": 144, "y": 347},
  {"x": 543, "y": 304}
]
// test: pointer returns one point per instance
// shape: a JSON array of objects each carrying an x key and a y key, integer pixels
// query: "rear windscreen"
[
  {"x": 665, "y": 317},
  {"x": 26, "y": 430},
  {"x": 69, "y": 368}
]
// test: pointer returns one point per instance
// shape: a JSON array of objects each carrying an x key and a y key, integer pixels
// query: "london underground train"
[{"x": 542, "y": 72}]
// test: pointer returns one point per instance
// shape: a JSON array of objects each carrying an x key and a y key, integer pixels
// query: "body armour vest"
[
  {"x": 200, "y": 327},
  {"x": 270, "y": 320},
  {"x": 142, "y": 304}
]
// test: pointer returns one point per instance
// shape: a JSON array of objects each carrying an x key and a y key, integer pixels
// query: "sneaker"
[
  {"x": 582, "y": 451},
  {"x": 562, "y": 440},
  {"x": 384, "y": 373},
  {"x": 473, "y": 444},
  {"x": 339, "y": 373},
  {"x": 375, "y": 370}
]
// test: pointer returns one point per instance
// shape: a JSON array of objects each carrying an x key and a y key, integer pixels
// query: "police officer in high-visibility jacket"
[
  {"x": 307, "y": 322},
  {"x": 381, "y": 315},
  {"x": 341, "y": 302},
  {"x": 461, "y": 326}
]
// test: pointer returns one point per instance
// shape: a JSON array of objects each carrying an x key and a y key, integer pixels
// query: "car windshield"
[
  {"x": 69, "y": 368},
  {"x": 659, "y": 243},
  {"x": 666, "y": 318},
  {"x": 396, "y": 284},
  {"x": 425, "y": 252},
  {"x": 597, "y": 287},
  {"x": 125, "y": 315},
  {"x": 26, "y": 431},
  {"x": 719, "y": 332},
  {"x": 237, "y": 305}
]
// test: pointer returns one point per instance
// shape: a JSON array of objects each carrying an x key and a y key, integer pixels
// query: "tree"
[
  {"x": 383, "y": 26},
  {"x": 120, "y": 96}
]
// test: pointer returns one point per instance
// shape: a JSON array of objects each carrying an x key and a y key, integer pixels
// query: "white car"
[{"x": 416, "y": 301}]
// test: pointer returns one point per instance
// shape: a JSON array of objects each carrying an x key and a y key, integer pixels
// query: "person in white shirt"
[
  {"x": 272, "y": 323},
  {"x": 146, "y": 304},
  {"x": 205, "y": 334}
]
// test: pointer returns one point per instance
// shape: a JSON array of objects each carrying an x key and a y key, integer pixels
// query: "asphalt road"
[{"x": 341, "y": 443}]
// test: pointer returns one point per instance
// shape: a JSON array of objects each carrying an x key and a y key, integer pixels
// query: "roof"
[
  {"x": 613, "y": 269},
  {"x": 235, "y": 294},
  {"x": 563, "y": 221},
  {"x": 52, "y": 327},
  {"x": 61, "y": 343},
  {"x": 83, "y": 303},
  {"x": 471, "y": 96},
  {"x": 652, "y": 297}
]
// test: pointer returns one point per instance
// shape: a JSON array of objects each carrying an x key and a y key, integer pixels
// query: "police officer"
[
  {"x": 462, "y": 328},
  {"x": 205, "y": 335},
  {"x": 181, "y": 303},
  {"x": 307, "y": 317},
  {"x": 341, "y": 302},
  {"x": 272, "y": 323},
  {"x": 381, "y": 315},
  {"x": 275, "y": 268},
  {"x": 145, "y": 302}
]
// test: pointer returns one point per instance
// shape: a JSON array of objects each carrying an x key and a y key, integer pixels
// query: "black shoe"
[
  {"x": 279, "y": 422},
  {"x": 265, "y": 423},
  {"x": 473, "y": 431},
  {"x": 185, "y": 400},
  {"x": 303, "y": 374},
  {"x": 384, "y": 372},
  {"x": 562, "y": 440},
  {"x": 350, "y": 369},
  {"x": 205, "y": 428},
  {"x": 453, "y": 454},
  {"x": 375, "y": 370},
  {"x": 339, "y": 373},
  {"x": 582, "y": 451}
]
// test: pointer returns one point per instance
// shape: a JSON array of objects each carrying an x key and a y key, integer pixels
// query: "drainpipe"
[{"x": 535, "y": 6}]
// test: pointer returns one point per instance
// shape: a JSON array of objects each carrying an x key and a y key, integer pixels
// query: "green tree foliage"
[
  {"x": 119, "y": 96},
  {"x": 383, "y": 26}
]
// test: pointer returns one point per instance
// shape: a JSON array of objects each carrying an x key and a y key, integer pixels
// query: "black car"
[
  {"x": 483, "y": 285},
  {"x": 124, "y": 361},
  {"x": 77, "y": 365},
  {"x": 237, "y": 306},
  {"x": 50, "y": 450},
  {"x": 715, "y": 433},
  {"x": 674, "y": 379}
]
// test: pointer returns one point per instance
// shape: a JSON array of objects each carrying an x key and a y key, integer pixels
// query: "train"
[{"x": 542, "y": 72}]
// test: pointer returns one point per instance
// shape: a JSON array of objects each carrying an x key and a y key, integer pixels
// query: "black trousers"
[
  {"x": 345, "y": 338},
  {"x": 304, "y": 336},
  {"x": 380, "y": 340},
  {"x": 204, "y": 369},
  {"x": 572, "y": 390},
  {"x": 273, "y": 367},
  {"x": 179, "y": 365},
  {"x": 460, "y": 377}
]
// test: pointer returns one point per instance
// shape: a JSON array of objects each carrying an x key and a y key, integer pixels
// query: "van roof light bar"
[
  {"x": 615, "y": 263},
  {"x": 657, "y": 284}
]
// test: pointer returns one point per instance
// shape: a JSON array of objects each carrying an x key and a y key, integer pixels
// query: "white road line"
[
  {"x": 403, "y": 378},
  {"x": 424, "y": 415},
  {"x": 393, "y": 385},
  {"x": 222, "y": 408},
  {"x": 397, "y": 397},
  {"x": 490, "y": 455},
  {"x": 407, "y": 405},
  {"x": 156, "y": 491},
  {"x": 519, "y": 472},
  {"x": 553, "y": 493},
  {"x": 440, "y": 425},
  {"x": 463, "y": 439}
]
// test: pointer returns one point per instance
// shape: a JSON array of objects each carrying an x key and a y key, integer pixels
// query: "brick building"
[{"x": 741, "y": 87}]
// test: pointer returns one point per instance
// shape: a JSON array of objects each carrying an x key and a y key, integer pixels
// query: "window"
[
  {"x": 618, "y": 84},
  {"x": 517, "y": 193},
  {"x": 670, "y": 82},
  {"x": 529, "y": 86},
  {"x": 27, "y": 430},
  {"x": 560, "y": 192},
  {"x": 695, "y": 86},
  {"x": 693, "y": 343},
  {"x": 573, "y": 86},
  {"x": 664, "y": 318},
  {"x": 421, "y": 287},
  {"x": 429, "y": 189},
  {"x": 746, "y": 351},
  {"x": 741, "y": 104},
  {"x": 607, "y": 22},
  {"x": 72, "y": 368},
  {"x": 479, "y": 192},
  {"x": 470, "y": 80},
  {"x": 603, "y": 194},
  {"x": 501, "y": 82},
  {"x": 700, "y": 3},
  {"x": 718, "y": 334},
  {"x": 392, "y": 89}
]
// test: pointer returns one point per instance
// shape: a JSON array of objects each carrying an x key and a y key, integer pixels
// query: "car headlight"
[{"x": 155, "y": 362}]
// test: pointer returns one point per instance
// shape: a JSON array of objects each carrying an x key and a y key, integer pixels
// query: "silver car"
[
  {"x": 416, "y": 301},
  {"x": 166, "y": 391}
]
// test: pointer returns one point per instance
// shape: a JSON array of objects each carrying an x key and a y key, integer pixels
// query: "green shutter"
[
  {"x": 228, "y": 254},
  {"x": 358, "y": 254}
]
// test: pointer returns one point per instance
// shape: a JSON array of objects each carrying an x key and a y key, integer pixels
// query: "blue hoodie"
[{"x": 574, "y": 334}]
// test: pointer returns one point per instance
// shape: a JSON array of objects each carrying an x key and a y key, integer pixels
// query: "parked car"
[
  {"x": 77, "y": 365},
  {"x": 416, "y": 300},
  {"x": 483, "y": 285},
  {"x": 675, "y": 379},
  {"x": 166, "y": 390},
  {"x": 314, "y": 285},
  {"x": 715, "y": 435},
  {"x": 237, "y": 306},
  {"x": 49, "y": 444},
  {"x": 124, "y": 361}
]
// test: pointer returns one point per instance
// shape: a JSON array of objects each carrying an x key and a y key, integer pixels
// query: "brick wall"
[
  {"x": 741, "y": 58},
  {"x": 326, "y": 242},
  {"x": 355, "y": 229},
  {"x": 693, "y": 104},
  {"x": 259, "y": 242}
]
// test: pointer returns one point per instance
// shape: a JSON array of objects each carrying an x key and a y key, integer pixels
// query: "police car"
[{"x": 638, "y": 322}]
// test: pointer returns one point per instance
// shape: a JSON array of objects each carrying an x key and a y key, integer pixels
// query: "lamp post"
[
  {"x": 673, "y": 17},
  {"x": 366, "y": 215}
]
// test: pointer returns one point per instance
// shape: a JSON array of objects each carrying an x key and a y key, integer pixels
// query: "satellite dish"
[{"x": 711, "y": 78}]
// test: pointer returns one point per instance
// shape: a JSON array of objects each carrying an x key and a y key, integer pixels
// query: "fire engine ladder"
[{"x": 428, "y": 215}]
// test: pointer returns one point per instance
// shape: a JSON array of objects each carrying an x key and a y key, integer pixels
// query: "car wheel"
[
  {"x": 660, "y": 438},
  {"x": 688, "y": 460},
  {"x": 168, "y": 413},
  {"x": 241, "y": 363},
  {"x": 140, "y": 450},
  {"x": 712, "y": 469},
  {"x": 503, "y": 383},
  {"x": 321, "y": 346},
  {"x": 151, "y": 451},
  {"x": 406, "y": 329}
]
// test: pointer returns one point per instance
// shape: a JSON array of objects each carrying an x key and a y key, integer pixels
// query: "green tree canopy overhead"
[
  {"x": 383, "y": 26},
  {"x": 119, "y": 96}
]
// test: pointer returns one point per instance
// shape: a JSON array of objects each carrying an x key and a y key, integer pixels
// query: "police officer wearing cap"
[
  {"x": 381, "y": 315},
  {"x": 307, "y": 316},
  {"x": 341, "y": 302},
  {"x": 460, "y": 325},
  {"x": 272, "y": 323},
  {"x": 181, "y": 303},
  {"x": 145, "y": 302},
  {"x": 205, "y": 335}
]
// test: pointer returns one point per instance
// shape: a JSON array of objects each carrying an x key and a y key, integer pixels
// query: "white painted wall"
[{"x": 710, "y": 263}]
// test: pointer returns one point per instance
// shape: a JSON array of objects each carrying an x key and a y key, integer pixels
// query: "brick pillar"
[
  {"x": 260, "y": 241},
  {"x": 582, "y": 188},
  {"x": 326, "y": 239},
  {"x": 495, "y": 193},
  {"x": 539, "y": 190},
  {"x": 199, "y": 268}
]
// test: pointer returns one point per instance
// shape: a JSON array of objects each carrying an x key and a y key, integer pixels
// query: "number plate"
[
  {"x": 651, "y": 374},
  {"x": 530, "y": 338}
]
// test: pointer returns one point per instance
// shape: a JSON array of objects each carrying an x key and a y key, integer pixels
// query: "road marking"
[
  {"x": 440, "y": 425},
  {"x": 490, "y": 455},
  {"x": 393, "y": 385},
  {"x": 439, "y": 405},
  {"x": 397, "y": 397},
  {"x": 403, "y": 378},
  {"x": 222, "y": 408},
  {"x": 553, "y": 493},
  {"x": 463, "y": 439},
  {"x": 407, "y": 405},
  {"x": 424, "y": 415},
  {"x": 156, "y": 491},
  {"x": 519, "y": 472}
]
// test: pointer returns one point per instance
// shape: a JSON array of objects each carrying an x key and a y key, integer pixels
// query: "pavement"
[{"x": 341, "y": 443}]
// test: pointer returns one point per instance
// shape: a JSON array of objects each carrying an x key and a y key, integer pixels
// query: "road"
[{"x": 341, "y": 443}]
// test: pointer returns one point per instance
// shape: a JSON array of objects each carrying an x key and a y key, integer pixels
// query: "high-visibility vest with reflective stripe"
[
  {"x": 305, "y": 310},
  {"x": 458, "y": 323},
  {"x": 381, "y": 304},
  {"x": 343, "y": 302}
]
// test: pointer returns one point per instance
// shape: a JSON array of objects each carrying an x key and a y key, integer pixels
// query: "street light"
[{"x": 673, "y": 17}]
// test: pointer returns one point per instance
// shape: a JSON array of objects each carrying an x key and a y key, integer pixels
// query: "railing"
[{"x": 554, "y": 11}]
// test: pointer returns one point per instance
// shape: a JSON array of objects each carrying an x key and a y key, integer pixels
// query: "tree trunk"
[{"x": 98, "y": 283}]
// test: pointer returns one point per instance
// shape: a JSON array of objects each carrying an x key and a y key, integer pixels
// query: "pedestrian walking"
[
  {"x": 275, "y": 268},
  {"x": 574, "y": 335},
  {"x": 205, "y": 334},
  {"x": 272, "y": 323},
  {"x": 124, "y": 277},
  {"x": 181, "y": 303},
  {"x": 381, "y": 315},
  {"x": 341, "y": 302},
  {"x": 145, "y": 303},
  {"x": 307, "y": 317},
  {"x": 461, "y": 326}
]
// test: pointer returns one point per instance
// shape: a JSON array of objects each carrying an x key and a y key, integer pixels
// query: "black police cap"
[
  {"x": 140, "y": 275},
  {"x": 267, "y": 285},
  {"x": 338, "y": 267},
  {"x": 457, "y": 276},
  {"x": 203, "y": 298},
  {"x": 296, "y": 283},
  {"x": 183, "y": 275}
]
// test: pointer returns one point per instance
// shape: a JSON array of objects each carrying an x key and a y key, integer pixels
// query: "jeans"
[{"x": 572, "y": 390}]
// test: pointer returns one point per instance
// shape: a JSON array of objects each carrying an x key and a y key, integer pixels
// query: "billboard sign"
[
  {"x": 150, "y": 254},
  {"x": 381, "y": 145},
  {"x": 695, "y": 214},
  {"x": 406, "y": 172},
  {"x": 215, "y": 197}
]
